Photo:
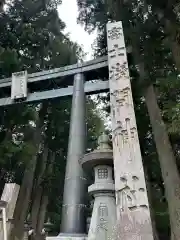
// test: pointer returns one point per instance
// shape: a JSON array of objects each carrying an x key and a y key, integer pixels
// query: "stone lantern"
[{"x": 103, "y": 190}]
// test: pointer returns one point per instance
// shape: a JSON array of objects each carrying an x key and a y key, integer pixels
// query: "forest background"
[{"x": 34, "y": 138}]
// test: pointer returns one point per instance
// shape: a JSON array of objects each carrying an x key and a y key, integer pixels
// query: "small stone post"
[{"x": 9, "y": 195}]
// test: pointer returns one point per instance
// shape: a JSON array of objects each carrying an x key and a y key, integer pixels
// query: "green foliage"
[{"x": 8, "y": 60}]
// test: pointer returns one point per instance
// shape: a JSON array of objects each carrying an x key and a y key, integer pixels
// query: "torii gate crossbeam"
[
  {"x": 89, "y": 88},
  {"x": 63, "y": 78},
  {"x": 67, "y": 71}
]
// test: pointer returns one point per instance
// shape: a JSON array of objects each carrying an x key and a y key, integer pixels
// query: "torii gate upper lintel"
[{"x": 61, "y": 77}]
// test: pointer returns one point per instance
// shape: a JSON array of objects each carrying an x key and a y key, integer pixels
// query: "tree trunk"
[
  {"x": 42, "y": 212},
  {"x": 23, "y": 202},
  {"x": 167, "y": 161},
  {"x": 35, "y": 207},
  {"x": 174, "y": 41},
  {"x": 25, "y": 194},
  {"x": 45, "y": 197},
  {"x": 24, "y": 197},
  {"x": 2, "y": 2},
  {"x": 38, "y": 193},
  {"x": 149, "y": 190}
]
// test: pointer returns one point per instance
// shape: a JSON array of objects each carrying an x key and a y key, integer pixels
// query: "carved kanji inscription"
[
  {"x": 114, "y": 33},
  {"x": 118, "y": 71},
  {"x": 131, "y": 193},
  {"x": 117, "y": 51}
]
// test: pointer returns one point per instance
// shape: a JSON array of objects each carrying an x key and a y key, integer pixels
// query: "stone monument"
[
  {"x": 133, "y": 214},
  {"x": 104, "y": 210}
]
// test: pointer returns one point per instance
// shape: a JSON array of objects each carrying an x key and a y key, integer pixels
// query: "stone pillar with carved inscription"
[
  {"x": 104, "y": 210},
  {"x": 133, "y": 214}
]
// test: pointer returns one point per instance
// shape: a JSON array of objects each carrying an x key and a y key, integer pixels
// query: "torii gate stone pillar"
[
  {"x": 73, "y": 221},
  {"x": 133, "y": 214}
]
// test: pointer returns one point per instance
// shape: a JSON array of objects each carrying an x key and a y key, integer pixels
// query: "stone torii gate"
[{"x": 133, "y": 214}]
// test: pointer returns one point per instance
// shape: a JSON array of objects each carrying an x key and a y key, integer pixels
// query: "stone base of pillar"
[{"x": 68, "y": 237}]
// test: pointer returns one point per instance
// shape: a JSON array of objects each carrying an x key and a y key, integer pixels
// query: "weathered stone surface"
[
  {"x": 66, "y": 238},
  {"x": 9, "y": 195},
  {"x": 133, "y": 215},
  {"x": 103, "y": 217},
  {"x": 104, "y": 210}
]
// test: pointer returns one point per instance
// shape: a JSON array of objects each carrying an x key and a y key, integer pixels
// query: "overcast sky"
[{"x": 68, "y": 12}]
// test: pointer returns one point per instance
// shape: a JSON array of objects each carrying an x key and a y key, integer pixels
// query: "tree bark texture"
[
  {"x": 38, "y": 192},
  {"x": 40, "y": 203},
  {"x": 167, "y": 161},
  {"x": 149, "y": 190},
  {"x": 24, "y": 198},
  {"x": 174, "y": 41},
  {"x": 24, "y": 195}
]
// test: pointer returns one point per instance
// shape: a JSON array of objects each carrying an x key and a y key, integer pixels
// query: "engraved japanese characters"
[
  {"x": 131, "y": 194},
  {"x": 103, "y": 214}
]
